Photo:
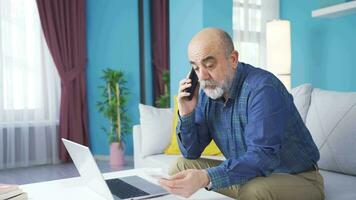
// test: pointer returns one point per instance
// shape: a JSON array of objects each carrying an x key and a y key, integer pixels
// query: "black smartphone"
[{"x": 192, "y": 76}]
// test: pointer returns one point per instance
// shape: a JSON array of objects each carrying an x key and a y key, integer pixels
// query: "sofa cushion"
[
  {"x": 301, "y": 97},
  {"x": 173, "y": 149},
  {"x": 331, "y": 120},
  {"x": 339, "y": 186},
  {"x": 156, "y": 124}
]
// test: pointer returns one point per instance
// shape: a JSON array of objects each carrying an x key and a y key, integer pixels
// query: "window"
[
  {"x": 249, "y": 28},
  {"x": 29, "y": 89},
  {"x": 28, "y": 77}
]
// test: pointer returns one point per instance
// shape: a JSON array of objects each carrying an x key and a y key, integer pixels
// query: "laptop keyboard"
[{"x": 124, "y": 190}]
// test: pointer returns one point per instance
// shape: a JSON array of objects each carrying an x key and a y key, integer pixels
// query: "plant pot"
[{"x": 117, "y": 155}]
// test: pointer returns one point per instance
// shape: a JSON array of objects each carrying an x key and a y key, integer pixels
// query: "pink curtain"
[
  {"x": 64, "y": 26},
  {"x": 159, "y": 43}
]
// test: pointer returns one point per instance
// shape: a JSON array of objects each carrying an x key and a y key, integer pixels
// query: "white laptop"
[{"x": 131, "y": 187}]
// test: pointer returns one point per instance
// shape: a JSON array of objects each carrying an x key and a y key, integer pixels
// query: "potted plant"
[
  {"x": 113, "y": 107},
  {"x": 163, "y": 100}
]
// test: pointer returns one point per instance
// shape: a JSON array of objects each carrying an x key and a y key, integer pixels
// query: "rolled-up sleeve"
[{"x": 192, "y": 134}]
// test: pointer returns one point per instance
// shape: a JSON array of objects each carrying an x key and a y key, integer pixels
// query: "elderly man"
[{"x": 250, "y": 115}]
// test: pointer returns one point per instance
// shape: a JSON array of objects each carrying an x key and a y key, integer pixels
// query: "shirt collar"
[{"x": 238, "y": 80}]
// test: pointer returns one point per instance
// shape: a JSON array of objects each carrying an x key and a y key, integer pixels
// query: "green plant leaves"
[
  {"x": 113, "y": 105},
  {"x": 163, "y": 101}
]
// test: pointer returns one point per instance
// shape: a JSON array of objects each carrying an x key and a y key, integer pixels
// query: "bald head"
[
  {"x": 212, "y": 38},
  {"x": 212, "y": 56}
]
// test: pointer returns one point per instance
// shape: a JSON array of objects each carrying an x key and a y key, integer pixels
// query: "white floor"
[{"x": 52, "y": 172}]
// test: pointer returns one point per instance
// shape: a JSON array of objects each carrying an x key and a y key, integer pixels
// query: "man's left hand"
[{"x": 186, "y": 183}]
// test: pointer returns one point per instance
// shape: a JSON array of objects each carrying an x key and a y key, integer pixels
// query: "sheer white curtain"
[
  {"x": 29, "y": 89},
  {"x": 249, "y": 28}
]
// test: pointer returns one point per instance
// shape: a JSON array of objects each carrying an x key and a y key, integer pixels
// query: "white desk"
[{"x": 74, "y": 188}]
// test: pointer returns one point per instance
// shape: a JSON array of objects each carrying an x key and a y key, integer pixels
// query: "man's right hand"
[{"x": 184, "y": 105}]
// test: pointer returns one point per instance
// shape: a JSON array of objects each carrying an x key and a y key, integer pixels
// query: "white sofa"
[{"x": 331, "y": 119}]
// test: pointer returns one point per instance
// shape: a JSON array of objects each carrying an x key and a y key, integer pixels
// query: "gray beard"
[
  {"x": 219, "y": 90},
  {"x": 215, "y": 93}
]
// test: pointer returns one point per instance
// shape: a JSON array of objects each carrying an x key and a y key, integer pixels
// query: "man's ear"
[{"x": 234, "y": 58}]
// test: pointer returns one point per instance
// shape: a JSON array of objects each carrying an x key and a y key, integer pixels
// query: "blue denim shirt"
[{"x": 258, "y": 129}]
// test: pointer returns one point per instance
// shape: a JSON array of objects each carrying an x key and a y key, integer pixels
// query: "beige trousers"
[{"x": 278, "y": 186}]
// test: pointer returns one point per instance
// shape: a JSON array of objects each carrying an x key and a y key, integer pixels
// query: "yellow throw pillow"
[{"x": 173, "y": 148}]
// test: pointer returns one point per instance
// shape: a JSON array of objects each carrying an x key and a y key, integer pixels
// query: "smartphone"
[{"x": 192, "y": 76}]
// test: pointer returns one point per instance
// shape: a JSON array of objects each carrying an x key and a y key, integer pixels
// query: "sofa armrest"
[{"x": 136, "y": 133}]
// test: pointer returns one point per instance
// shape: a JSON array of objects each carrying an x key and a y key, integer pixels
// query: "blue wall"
[
  {"x": 112, "y": 41},
  {"x": 217, "y": 13},
  {"x": 147, "y": 52},
  {"x": 188, "y": 17},
  {"x": 323, "y": 50},
  {"x": 185, "y": 19}
]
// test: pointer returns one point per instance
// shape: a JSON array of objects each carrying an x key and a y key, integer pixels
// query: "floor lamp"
[{"x": 278, "y": 45}]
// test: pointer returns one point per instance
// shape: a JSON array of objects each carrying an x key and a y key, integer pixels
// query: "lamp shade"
[{"x": 278, "y": 45}]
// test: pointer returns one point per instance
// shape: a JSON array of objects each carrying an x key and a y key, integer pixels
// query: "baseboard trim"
[
  {"x": 107, "y": 157},
  {"x": 102, "y": 157}
]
